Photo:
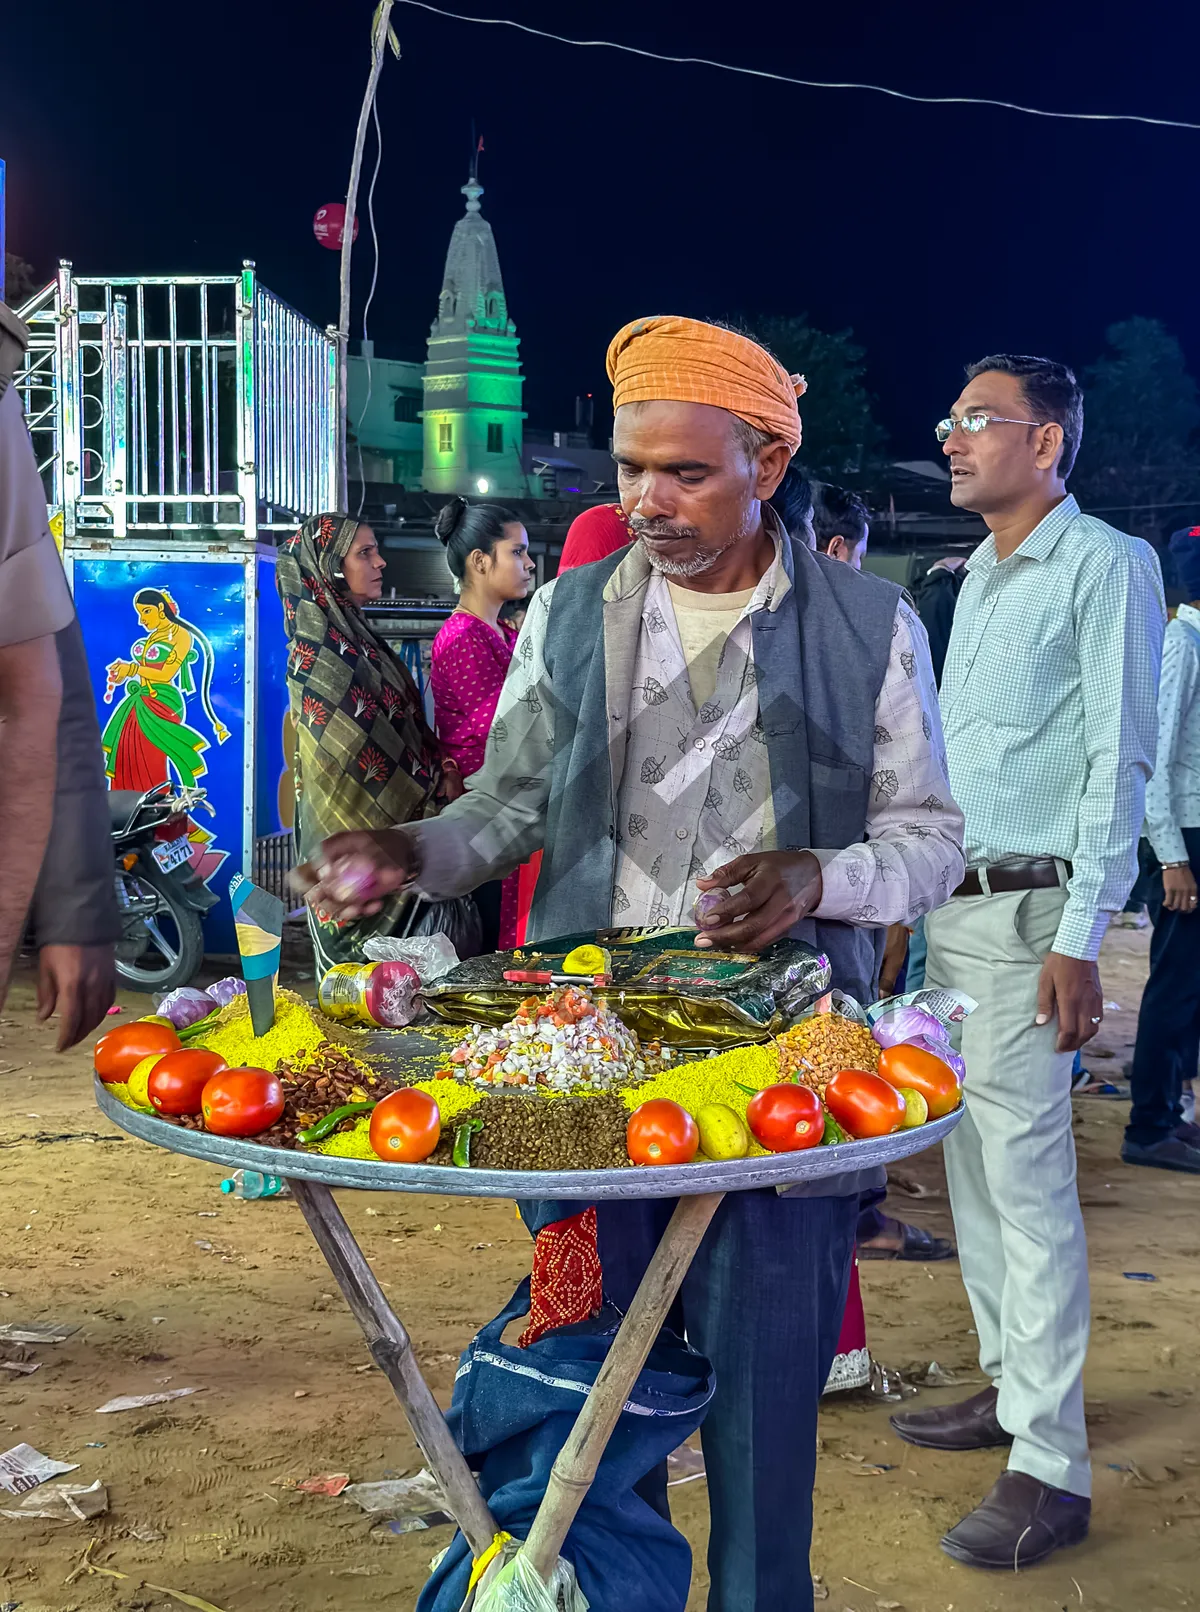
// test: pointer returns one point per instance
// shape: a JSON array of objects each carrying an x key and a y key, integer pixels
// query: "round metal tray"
[{"x": 661, "y": 1181}]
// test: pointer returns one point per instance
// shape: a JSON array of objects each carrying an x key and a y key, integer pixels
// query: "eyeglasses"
[{"x": 973, "y": 424}]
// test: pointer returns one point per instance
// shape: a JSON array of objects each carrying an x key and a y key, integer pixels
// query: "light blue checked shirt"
[
  {"x": 1049, "y": 707},
  {"x": 1173, "y": 794}
]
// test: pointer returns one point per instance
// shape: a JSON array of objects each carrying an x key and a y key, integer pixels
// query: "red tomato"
[
  {"x": 406, "y": 1126},
  {"x": 118, "y": 1053},
  {"x": 241, "y": 1102},
  {"x": 864, "y": 1104},
  {"x": 660, "y": 1132},
  {"x": 903, "y": 1065},
  {"x": 177, "y": 1081},
  {"x": 785, "y": 1118}
]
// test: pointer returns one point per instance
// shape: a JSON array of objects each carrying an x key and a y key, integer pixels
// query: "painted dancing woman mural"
[{"x": 147, "y": 738}]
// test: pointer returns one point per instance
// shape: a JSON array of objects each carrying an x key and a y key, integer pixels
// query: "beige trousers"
[{"x": 1010, "y": 1165}]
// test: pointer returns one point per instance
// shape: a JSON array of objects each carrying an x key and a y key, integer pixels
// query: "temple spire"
[
  {"x": 472, "y": 415},
  {"x": 473, "y": 190}
]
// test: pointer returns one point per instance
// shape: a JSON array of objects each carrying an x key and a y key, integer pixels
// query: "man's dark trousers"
[
  {"x": 1168, "y": 1033},
  {"x": 763, "y": 1302}
]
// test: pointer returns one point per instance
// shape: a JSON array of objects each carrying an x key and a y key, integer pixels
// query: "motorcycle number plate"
[{"x": 172, "y": 853}]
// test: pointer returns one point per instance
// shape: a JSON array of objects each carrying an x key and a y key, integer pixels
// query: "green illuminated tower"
[{"x": 472, "y": 415}]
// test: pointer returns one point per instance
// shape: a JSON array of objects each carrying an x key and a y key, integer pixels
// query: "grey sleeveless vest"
[{"x": 821, "y": 658}]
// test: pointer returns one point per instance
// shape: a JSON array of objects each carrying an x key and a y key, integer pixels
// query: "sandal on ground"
[
  {"x": 1087, "y": 1084},
  {"x": 918, "y": 1245}
]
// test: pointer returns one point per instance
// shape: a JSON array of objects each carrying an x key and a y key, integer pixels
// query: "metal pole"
[{"x": 379, "y": 40}]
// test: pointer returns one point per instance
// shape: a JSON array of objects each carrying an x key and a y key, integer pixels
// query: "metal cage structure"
[{"x": 188, "y": 403}]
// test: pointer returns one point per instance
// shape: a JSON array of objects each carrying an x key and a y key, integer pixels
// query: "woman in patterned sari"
[{"x": 365, "y": 756}]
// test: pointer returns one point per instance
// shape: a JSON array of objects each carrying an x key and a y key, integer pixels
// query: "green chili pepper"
[
  {"x": 833, "y": 1132},
  {"x": 462, "y": 1142},
  {"x": 199, "y": 1028},
  {"x": 330, "y": 1122}
]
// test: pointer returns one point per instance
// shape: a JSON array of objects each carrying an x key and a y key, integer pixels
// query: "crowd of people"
[{"x": 714, "y": 696}]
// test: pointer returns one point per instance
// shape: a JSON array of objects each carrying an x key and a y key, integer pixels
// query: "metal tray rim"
[{"x": 665, "y": 1181}]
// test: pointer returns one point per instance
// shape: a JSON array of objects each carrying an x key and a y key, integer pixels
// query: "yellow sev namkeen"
[{"x": 295, "y": 1035}]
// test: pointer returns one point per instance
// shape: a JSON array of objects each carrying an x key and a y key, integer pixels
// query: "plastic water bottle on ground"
[{"x": 253, "y": 1184}]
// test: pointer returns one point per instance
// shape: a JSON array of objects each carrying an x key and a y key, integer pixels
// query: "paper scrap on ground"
[
  {"x": 35, "y": 1332},
  {"x": 328, "y": 1483},
  {"x": 25, "y": 1367},
  {"x": 63, "y": 1502},
  {"x": 22, "y": 1468},
  {"x": 418, "y": 1500},
  {"x": 125, "y": 1402},
  {"x": 684, "y": 1465}
]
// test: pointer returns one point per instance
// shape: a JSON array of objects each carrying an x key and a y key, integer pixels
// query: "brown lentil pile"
[
  {"x": 815, "y": 1049},
  {"x": 530, "y": 1133}
]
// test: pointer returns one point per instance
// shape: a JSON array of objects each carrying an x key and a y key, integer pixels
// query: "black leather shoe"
[
  {"x": 969, "y": 1425},
  {"x": 1021, "y": 1522},
  {"x": 1172, "y": 1153}
]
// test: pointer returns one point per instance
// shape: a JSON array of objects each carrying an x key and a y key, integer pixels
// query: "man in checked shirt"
[{"x": 1049, "y": 705}]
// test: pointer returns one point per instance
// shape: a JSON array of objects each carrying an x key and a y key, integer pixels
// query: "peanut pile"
[
  {"x": 816, "y": 1048},
  {"x": 329, "y": 1080}
]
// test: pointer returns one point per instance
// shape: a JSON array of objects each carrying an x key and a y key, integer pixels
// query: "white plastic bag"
[
  {"x": 431, "y": 955},
  {"x": 515, "y": 1587}
]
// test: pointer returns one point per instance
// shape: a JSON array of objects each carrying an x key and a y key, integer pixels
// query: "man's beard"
[{"x": 700, "y": 561}]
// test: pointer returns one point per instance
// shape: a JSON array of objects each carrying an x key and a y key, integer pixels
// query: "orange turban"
[{"x": 686, "y": 361}]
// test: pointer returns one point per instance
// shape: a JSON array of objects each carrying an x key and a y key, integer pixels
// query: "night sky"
[{"x": 151, "y": 138}]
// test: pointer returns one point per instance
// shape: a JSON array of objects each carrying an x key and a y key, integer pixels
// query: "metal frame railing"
[{"x": 179, "y": 403}]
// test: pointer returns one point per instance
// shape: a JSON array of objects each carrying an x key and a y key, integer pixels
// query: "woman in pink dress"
[{"x": 487, "y": 550}]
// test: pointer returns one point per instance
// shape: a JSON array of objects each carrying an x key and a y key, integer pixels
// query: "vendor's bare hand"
[
  {"x": 1070, "y": 988},
  {"x": 389, "y": 854},
  {"x": 779, "y": 888},
  {"x": 79, "y": 984},
  {"x": 1179, "y": 890}
]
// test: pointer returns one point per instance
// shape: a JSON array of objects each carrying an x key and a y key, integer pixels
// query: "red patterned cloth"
[{"x": 567, "y": 1283}]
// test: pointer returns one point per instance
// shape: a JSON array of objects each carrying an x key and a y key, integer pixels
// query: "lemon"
[
  {"x": 157, "y": 1018},
  {"x": 138, "y": 1084},
  {"x": 586, "y": 961},
  {"x": 722, "y": 1133},
  {"x": 916, "y": 1109}
]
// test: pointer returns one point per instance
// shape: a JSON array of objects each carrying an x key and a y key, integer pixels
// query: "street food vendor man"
[{"x": 713, "y": 709}]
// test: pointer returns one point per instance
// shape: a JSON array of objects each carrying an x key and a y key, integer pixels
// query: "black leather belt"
[{"x": 1015, "y": 873}]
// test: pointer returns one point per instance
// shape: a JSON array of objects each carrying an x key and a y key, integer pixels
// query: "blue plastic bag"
[{"x": 511, "y": 1413}]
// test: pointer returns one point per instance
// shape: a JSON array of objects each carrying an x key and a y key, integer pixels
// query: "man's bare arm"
[{"x": 30, "y": 696}]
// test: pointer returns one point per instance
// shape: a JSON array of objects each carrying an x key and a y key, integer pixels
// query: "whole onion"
[
  {"x": 943, "y": 1050},
  {"x": 224, "y": 991},
  {"x": 355, "y": 880},
  {"x": 907, "y": 1024},
  {"x": 705, "y": 902},
  {"x": 186, "y": 1006}
]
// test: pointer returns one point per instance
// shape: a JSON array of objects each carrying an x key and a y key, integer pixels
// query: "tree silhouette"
[
  {"x": 1139, "y": 466},
  {"x": 841, "y": 433}
]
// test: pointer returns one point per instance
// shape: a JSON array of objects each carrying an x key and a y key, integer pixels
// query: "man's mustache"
[{"x": 660, "y": 529}]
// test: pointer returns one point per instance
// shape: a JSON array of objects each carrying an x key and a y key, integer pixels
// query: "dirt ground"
[{"x": 173, "y": 1286}]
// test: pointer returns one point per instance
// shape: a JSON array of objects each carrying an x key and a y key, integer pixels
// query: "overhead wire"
[{"x": 803, "y": 83}]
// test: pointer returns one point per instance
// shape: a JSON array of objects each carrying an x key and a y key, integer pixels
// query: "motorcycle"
[{"x": 161, "y": 897}]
